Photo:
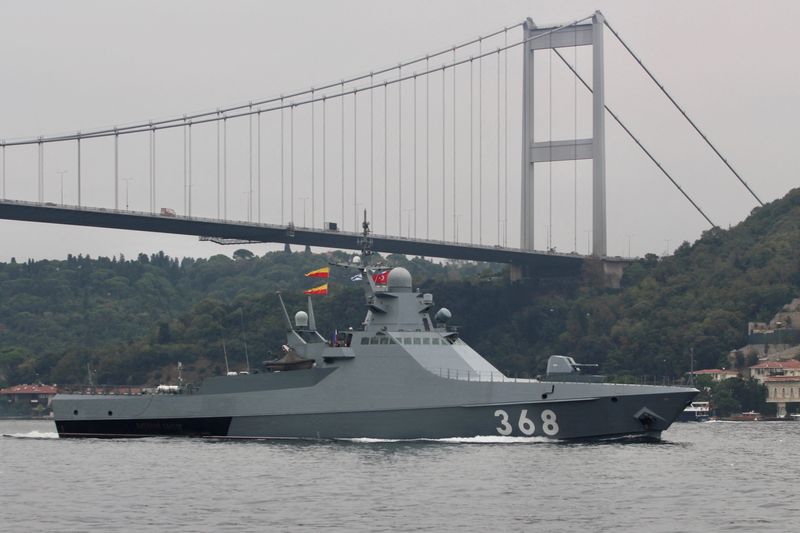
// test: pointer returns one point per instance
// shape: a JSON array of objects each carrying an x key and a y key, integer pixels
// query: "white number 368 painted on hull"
[{"x": 526, "y": 425}]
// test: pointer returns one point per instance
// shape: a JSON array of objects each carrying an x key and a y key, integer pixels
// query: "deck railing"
[
  {"x": 462, "y": 374},
  {"x": 489, "y": 376}
]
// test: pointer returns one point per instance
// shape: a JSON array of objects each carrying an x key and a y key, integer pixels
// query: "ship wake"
[
  {"x": 483, "y": 439},
  {"x": 33, "y": 435}
]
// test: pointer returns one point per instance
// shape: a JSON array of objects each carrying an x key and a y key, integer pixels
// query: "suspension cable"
[
  {"x": 234, "y": 108},
  {"x": 313, "y": 165},
  {"x": 355, "y": 162},
  {"x": 444, "y": 197},
  {"x": 575, "y": 136},
  {"x": 40, "y": 173},
  {"x": 283, "y": 164},
  {"x": 550, "y": 154},
  {"x": 229, "y": 114},
  {"x": 224, "y": 169},
  {"x": 386, "y": 157},
  {"x": 116, "y": 172},
  {"x": 291, "y": 164},
  {"x": 505, "y": 139},
  {"x": 258, "y": 158},
  {"x": 471, "y": 150},
  {"x": 679, "y": 108},
  {"x": 455, "y": 211},
  {"x": 79, "y": 169},
  {"x": 632, "y": 136},
  {"x": 427, "y": 154},
  {"x": 250, "y": 168},
  {"x": 371, "y": 151},
  {"x": 190, "y": 168},
  {"x": 480, "y": 142},
  {"x": 399, "y": 151},
  {"x": 218, "y": 176},
  {"x": 342, "y": 153},
  {"x": 414, "y": 203},
  {"x": 185, "y": 176},
  {"x": 324, "y": 159},
  {"x": 149, "y": 200},
  {"x": 498, "y": 147}
]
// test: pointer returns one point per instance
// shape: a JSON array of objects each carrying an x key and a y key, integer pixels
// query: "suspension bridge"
[{"x": 430, "y": 147}]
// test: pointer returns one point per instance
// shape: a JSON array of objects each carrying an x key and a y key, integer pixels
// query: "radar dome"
[
  {"x": 443, "y": 315},
  {"x": 301, "y": 319},
  {"x": 399, "y": 278}
]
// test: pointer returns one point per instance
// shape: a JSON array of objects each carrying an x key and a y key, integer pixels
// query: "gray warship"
[{"x": 404, "y": 375}]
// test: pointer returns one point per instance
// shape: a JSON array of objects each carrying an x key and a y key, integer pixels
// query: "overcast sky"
[{"x": 75, "y": 66}]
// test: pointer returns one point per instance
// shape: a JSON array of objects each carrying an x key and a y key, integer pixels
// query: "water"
[{"x": 716, "y": 476}]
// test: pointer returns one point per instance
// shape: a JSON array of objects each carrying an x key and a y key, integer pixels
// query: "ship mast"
[{"x": 365, "y": 241}]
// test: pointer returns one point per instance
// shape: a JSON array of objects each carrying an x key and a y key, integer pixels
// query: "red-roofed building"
[
  {"x": 716, "y": 374},
  {"x": 29, "y": 394},
  {"x": 768, "y": 369}
]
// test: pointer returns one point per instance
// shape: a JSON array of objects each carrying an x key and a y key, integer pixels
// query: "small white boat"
[{"x": 695, "y": 412}]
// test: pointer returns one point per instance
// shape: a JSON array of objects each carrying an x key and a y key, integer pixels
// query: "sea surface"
[{"x": 713, "y": 476}]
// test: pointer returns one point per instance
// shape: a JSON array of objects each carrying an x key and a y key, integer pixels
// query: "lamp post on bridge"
[
  {"x": 249, "y": 196},
  {"x": 408, "y": 222},
  {"x": 190, "y": 188},
  {"x": 127, "y": 204},
  {"x": 305, "y": 201},
  {"x": 457, "y": 222},
  {"x": 629, "y": 245},
  {"x": 588, "y": 242},
  {"x": 61, "y": 174}
]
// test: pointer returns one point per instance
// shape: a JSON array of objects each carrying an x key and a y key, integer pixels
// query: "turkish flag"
[{"x": 381, "y": 278}]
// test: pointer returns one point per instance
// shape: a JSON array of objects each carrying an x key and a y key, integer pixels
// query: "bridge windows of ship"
[
  {"x": 378, "y": 340},
  {"x": 415, "y": 341}
]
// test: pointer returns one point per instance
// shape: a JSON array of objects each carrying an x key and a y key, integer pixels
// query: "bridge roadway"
[{"x": 540, "y": 263}]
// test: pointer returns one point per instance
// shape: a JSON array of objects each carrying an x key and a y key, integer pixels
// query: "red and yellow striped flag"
[
  {"x": 322, "y": 289},
  {"x": 319, "y": 273}
]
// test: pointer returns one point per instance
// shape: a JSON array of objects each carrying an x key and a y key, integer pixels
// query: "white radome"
[{"x": 399, "y": 278}]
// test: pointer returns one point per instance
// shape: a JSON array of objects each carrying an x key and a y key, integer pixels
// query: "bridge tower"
[{"x": 589, "y": 34}]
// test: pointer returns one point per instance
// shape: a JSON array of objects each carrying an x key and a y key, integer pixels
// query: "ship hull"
[{"x": 587, "y": 418}]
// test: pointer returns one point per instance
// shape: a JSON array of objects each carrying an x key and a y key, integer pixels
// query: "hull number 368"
[{"x": 526, "y": 425}]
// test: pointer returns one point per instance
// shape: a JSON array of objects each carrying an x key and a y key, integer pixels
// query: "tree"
[
  {"x": 242, "y": 254},
  {"x": 164, "y": 335}
]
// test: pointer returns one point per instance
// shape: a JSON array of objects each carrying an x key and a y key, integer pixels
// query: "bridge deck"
[{"x": 564, "y": 264}]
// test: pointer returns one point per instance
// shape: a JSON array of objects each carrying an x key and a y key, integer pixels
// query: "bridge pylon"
[{"x": 588, "y": 34}]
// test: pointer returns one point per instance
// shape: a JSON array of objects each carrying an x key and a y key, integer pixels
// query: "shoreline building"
[
  {"x": 770, "y": 369},
  {"x": 782, "y": 390},
  {"x": 716, "y": 374},
  {"x": 29, "y": 395}
]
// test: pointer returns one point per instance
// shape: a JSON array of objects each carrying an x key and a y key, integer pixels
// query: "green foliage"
[
  {"x": 131, "y": 320},
  {"x": 735, "y": 395},
  {"x": 127, "y": 319}
]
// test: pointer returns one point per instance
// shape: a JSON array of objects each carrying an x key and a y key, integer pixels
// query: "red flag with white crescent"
[{"x": 381, "y": 278}]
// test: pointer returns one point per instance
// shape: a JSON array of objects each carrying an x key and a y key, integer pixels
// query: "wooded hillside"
[{"x": 129, "y": 320}]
